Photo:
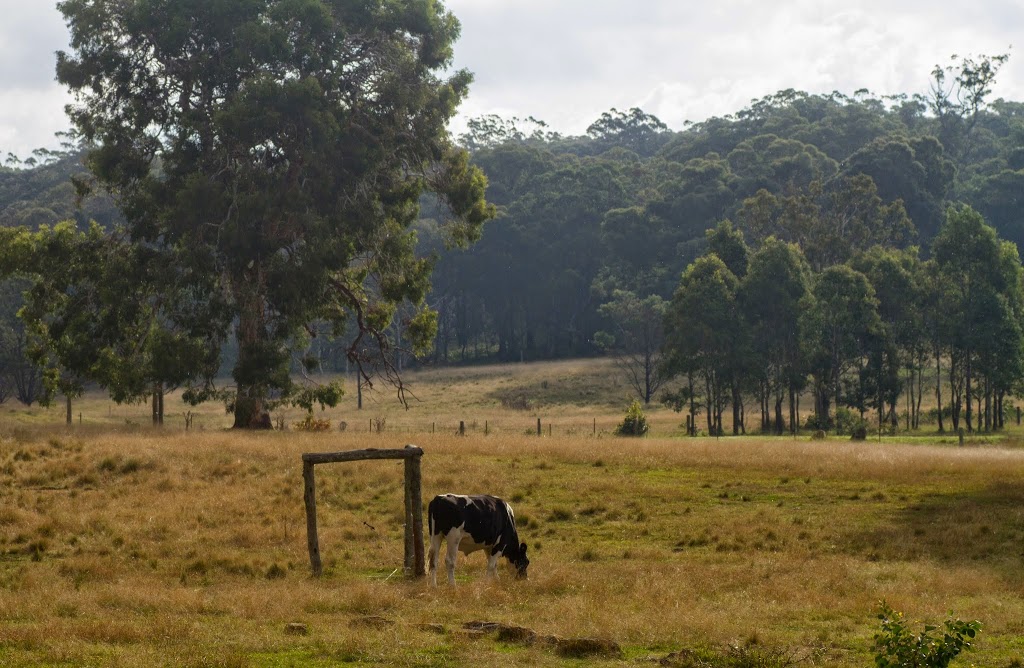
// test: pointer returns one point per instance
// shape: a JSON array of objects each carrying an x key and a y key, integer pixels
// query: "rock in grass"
[
  {"x": 576, "y": 648},
  {"x": 439, "y": 629},
  {"x": 296, "y": 629},
  {"x": 372, "y": 621}
]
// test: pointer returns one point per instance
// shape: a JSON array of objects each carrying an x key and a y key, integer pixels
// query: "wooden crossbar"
[{"x": 415, "y": 565}]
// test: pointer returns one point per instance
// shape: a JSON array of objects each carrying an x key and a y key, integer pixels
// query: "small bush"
[
  {"x": 896, "y": 646},
  {"x": 634, "y": 423},
  {"x": 849, "y": 422},
  {"x": 310, "y": 423}
]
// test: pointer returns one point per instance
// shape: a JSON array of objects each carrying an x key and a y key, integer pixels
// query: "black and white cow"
[{"x": 471, "y": 523}]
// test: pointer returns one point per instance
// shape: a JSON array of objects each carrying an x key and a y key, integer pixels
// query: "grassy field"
[{"x": 123, "y": 545}]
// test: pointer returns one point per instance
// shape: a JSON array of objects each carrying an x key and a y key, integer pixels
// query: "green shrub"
[
  {"x": 849, "y": 422},
  {"x": 310, "y": 423},
  {"x": 896, "y": 646},
  {"x": 635, "y": 422}
]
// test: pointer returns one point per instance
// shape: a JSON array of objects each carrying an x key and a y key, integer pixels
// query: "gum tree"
[{"x": 280, "y": 147}]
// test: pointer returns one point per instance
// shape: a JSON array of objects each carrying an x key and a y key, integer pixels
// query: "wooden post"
[
  {"x": 462, "y": 428},
  {"x": 312, "y": 538},
  {"x": 538, "y": 426},
  {"x": 416, "y": 488},
  {"x": 487, "y": 428},
  {"x": 415, "y": 562},
  {"x": 549, "y": 429},
  {"x": 409, "y": 520},
  {"x": 595, "y": 426},
  {"x": 1018, "y": 416}
]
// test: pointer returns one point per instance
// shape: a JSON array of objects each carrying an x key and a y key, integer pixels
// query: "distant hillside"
[
  {"x": 41, "y": 192},
  {"x": 627, "y": 205}
]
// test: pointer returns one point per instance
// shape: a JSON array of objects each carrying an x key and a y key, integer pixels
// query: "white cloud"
[
  {"x": 567, "y": 61},
  {"x": 30, "y": 117}
]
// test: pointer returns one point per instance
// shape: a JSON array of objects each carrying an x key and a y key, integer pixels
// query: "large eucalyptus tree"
[{"x": 281, "y": 147}]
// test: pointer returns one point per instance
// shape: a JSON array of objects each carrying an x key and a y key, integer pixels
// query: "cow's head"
[{"x": 521, "y": 562}]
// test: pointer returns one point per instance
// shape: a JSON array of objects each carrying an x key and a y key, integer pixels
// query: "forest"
[{"x": 857, "y": 246}]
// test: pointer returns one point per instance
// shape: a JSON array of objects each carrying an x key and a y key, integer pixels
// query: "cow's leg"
[
  {"x": 492, "y": 565},
  {"x": 454, "y": 536},
  {"x": 435, "y": 550}
]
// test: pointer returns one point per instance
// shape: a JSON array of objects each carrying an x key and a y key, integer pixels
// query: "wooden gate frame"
[{"x": 414, "y": 557}]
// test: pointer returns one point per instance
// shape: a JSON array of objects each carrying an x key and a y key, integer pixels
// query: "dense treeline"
[
  {"x": 624, "y": 209},
  {"x": 795, "y": 245},
  {"x": 760, "y": 326}
]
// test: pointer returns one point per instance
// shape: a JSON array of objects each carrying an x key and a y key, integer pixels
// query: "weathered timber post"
[
  {"x": 410, "y": 518},
  {"x": 415, "y": 484},
  {"x": 414, "y": 554},
  {"x": 538, "y": 426},
  {"x": 312, "y": 537},
  {"x": 462, "y": 427}
]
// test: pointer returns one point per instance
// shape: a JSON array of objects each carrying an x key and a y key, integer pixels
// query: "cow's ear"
[{"x": 522, "y": 548}]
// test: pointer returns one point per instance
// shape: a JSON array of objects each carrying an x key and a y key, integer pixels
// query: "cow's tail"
[
  {"x": 432, "y": 556},
  {"x": 430, "y": 519}
]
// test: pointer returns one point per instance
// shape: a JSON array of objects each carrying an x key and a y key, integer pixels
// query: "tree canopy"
[{"x": 279, "y": 147}]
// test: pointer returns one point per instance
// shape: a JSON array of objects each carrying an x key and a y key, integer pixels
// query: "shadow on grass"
[{"x": 983, "y": 526}]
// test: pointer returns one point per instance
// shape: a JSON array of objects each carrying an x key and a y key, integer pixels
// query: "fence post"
[
  {"x": 410, "y": 546},
  {"x": 312, "y": 538},
  {"x": 415, "y": 490},
  {"x": 462, "y": 428},
  {"x": 538, "y": 426}
]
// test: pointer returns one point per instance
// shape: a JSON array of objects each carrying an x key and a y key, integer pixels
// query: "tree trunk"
[
  {"x": 780, "y": 425},
  {"x": 737, "y": 409},
  {"x": 251, "y": 413},
  {"x": 909, "y": 398},
  {"x": 920, "y": 393},
  {"x": 793, "y": 417},
  {"x": 938, "y": 388},
  {"x": 988, "y": 405},
  {"x": 693, "y": 406},
  {"x": 158, "y": 404},
  {"x": 967, "y": 392},
  {"x": 258, "y": 358}
]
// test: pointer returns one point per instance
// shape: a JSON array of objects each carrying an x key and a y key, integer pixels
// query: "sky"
[{"x": 567, "y": 61}]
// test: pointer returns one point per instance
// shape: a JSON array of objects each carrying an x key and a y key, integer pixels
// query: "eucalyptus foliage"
[{"x": 279, "y": 147}]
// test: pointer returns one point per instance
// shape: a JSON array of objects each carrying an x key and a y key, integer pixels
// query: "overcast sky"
[{"x": 567, "y": 61}]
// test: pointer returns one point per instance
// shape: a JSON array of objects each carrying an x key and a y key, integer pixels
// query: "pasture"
[{"x": 124, "y": 545}]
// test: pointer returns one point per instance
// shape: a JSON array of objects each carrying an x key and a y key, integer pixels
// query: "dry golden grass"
[
  {"x": 125, "y": 545},
  {"x": 149, "y": 548},
  {"x": 570, "y": 397}
]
